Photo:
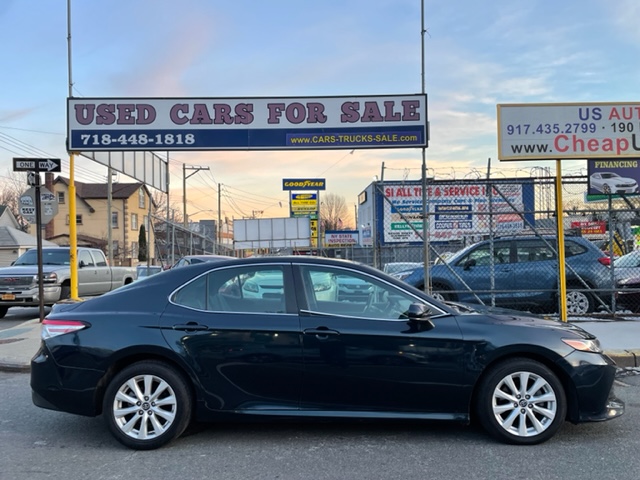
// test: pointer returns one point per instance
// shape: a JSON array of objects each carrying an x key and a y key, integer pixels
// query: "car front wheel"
[
  {"x": 521, "y": 402},
  {"x": 147, "y": 405}
]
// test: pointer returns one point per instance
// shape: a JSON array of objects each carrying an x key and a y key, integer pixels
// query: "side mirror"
[
  {"x": 419, "y": 315},
  {"x": 82, "y": 264},
  {"x": 470, "y": 263}
]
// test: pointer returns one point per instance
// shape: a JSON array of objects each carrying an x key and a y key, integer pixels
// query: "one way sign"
[{"x": 36, "y": 164}]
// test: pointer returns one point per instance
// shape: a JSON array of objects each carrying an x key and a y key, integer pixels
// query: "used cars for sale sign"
[{"x": 170, "y": 124}]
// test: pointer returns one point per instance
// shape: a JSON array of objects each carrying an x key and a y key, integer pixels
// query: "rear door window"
[
  {"x": 481, "y": 256},
  {"x": 534, "y": 251}
]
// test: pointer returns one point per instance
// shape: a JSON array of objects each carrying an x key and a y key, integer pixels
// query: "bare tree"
[
  {"x": 333, "y": 212},
  {"x": 12, "y": 186},
  {"x": 160, "y": 207}
]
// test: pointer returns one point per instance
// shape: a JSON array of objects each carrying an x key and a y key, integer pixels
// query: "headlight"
[
  {"x": 50, "y": 277},
  {"x": 584, "y": 345}
]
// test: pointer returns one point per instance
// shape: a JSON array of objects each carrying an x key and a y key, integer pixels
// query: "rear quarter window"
[{"x": 572, "y": 249}]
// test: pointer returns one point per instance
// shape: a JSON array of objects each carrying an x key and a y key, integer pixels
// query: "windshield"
[
  {"x": 49, "y": 257},
  {"x": 148, "y": 271}
]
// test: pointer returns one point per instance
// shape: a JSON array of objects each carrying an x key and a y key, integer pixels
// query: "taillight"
[
  {"x": 53, "y": 328},
  {"x": 605, "y": 261}
]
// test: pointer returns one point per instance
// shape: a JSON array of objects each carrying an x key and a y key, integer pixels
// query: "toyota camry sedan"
[{"x": 215, "y": 341}]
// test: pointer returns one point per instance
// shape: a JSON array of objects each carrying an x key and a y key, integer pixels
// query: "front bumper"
[
  {"x": 592, "y": 398},
  {"x": 17, "y": 297}
]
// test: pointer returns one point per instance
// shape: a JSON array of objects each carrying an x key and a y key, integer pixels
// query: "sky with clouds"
[{"x": 477, "y": 54}]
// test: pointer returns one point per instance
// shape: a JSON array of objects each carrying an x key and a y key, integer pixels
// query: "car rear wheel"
[
  {"x": 521, "y": 402},
  {"x": 579, "y": 303},
  {"x": 147, "y": 405}
]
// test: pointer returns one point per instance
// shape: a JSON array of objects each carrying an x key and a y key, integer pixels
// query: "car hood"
[
  {"x": 526, "y": 321},
  {"x": 30, "y": 269}
]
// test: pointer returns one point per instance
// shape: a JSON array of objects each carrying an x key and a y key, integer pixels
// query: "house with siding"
[
  {"x": 13, "y": 241},
  {"x": 131, "y": 207}
]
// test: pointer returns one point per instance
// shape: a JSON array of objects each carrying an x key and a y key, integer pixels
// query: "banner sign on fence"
[
  {"x": 284, "y": 123},
  {"x": 589, "y": 227},
  {"x": 568, "y": 130},
  {"x": 455, "y": 211}
]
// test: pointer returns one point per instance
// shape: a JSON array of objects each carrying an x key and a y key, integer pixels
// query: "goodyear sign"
[{"x": 303, "y": 184}]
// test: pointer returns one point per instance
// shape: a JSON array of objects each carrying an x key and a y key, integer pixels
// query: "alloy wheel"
[
  {"x": 144, "y": 407},
  {"x": 578, "y": 303},
  {"x": 524, "y": 404}
]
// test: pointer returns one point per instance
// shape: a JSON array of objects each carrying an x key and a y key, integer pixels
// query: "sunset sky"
[{"x": 477, "y": 54}]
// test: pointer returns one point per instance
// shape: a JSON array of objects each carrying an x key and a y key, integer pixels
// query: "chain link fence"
[
  {"x": 494, "y": 242},
  {"x": 174, "y": 240},
  {"x": 490, "y": 242}
]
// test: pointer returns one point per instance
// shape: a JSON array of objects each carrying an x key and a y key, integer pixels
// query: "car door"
[
  {"x": 363, "y": 354},
  {"x": 245, "y": 351},
  {"x": 103, "y": 272},
  {"x": 489, "y": 281},
  {"x": 536, "y": 272},
  {"x": 88, "y": 283}
]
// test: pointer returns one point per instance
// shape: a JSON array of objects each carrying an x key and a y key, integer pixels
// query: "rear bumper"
[{"x": 78, "y": 396}]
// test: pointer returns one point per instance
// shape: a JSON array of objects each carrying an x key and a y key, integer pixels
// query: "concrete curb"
[
  {"x": 14, "y": 367},
  {"x": 625, "y": 358}
]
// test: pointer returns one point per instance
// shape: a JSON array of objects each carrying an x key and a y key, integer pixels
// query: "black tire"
[
  {"x": 141, "y": 423},
  {"x": 579, "y": 302},
  {"x": 523, "y": 416},
  {"x": 65, "y": 292},
  {"x": 3, "y": 311}
]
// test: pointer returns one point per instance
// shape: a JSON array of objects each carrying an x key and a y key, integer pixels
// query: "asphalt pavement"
[{"x": 619, "y": 338}]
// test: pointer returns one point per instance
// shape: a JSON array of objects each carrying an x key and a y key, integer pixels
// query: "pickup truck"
[{"x": 19, "y": 282}]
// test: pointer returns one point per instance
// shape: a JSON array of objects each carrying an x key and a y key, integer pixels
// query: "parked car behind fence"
[{"x": 522, "y": 273}]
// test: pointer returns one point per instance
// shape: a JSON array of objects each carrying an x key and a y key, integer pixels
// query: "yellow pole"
[
  {"x": 560, "y": 235},
  {"x": 73, "y": 241}
]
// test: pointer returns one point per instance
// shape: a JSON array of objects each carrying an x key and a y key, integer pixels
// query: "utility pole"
[
  {"x": 355, "y": 215},
  {"x": 218, "y": 245},
  {"x": 196, "y": 169},
  {"x": 109, "y": 223}
]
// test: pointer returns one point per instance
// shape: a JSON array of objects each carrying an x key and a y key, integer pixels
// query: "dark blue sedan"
[{"x": 191, "y": 345}]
